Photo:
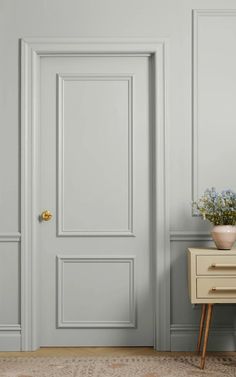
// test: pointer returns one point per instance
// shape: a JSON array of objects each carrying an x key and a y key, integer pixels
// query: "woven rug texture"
[{"x": 142, "y": 366}]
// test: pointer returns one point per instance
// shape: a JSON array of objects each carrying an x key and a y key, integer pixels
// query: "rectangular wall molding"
[
  {"x": 184, "y": 338},
  {"x": 10, "y": 237},
  {"x": 213, "y": 83}
]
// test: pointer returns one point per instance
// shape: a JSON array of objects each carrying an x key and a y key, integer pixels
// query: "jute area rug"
[{"x": 137, "y": 366}]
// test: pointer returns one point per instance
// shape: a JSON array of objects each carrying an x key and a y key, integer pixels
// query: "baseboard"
[
  {"x": 10, "y": 341},
  {"x": 184, "y": 338}
]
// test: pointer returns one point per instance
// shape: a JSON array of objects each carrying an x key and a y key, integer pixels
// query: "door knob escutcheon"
[{"x": 46, "y": 215}]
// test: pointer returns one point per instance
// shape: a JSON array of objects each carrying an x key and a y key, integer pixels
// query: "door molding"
[
  {"x": 62, "y": 78},
  {"x": 32, "y": 50}
]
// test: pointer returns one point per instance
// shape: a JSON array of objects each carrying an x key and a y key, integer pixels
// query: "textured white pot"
[{"x": 224, "y": 236}]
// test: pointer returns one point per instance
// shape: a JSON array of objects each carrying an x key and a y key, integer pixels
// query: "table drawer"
[
  {"x": 216, "y": 265},
  {"x": 216, "y": 288}
]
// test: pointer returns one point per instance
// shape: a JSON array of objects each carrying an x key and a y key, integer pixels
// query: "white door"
[{"x": 95, "y": 253}]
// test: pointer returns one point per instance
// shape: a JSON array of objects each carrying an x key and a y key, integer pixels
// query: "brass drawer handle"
[
  {"x": 214, "y": 289},
  {"x": 223, "y": 265}
]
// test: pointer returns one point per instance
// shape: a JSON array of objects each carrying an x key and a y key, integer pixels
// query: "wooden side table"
[{"x": 211, "y": 280}]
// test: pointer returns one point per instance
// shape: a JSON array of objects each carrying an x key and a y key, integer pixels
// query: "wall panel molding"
[
  {"x": 61, "y": 79},
  {"x": 10, "y": 237},
  {"x": 61, "y": 320},
  {"x": 196, "y": 15}
]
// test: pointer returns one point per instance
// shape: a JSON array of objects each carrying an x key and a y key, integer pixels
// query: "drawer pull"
[
  {"x": 214, "y": 289},
  {"x": 223, "y": 265}
]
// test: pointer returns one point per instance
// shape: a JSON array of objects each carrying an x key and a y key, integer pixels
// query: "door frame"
[{"x": 32, "y": 50}]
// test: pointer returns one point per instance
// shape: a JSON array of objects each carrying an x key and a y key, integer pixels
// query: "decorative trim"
[
  {"x": 184, "y": 338},
  {"x": 10, "y": 237},
  {"x": 30, "y": 74},
  {"x": 190, "y": 236},
  {"x": 194, "y": 107},
  {"x": 10, "y": 341},
  {"x": 10, "y": 327},
  {"x": 194, "y": 328},
  {"x": 196, "y": 13},
  {"x": 62, "y": 77},
  {"x": 214, "y": 12},
  {"x": 32, "y": 49},
  {"x": 161, "y": 241},
  {"x": 62, "y": 323}
]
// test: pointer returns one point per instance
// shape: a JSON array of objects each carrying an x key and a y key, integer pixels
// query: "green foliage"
[{"x": 217, "y": 207}]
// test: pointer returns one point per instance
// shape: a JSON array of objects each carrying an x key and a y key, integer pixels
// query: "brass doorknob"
[{"x": 46, "y": 215}]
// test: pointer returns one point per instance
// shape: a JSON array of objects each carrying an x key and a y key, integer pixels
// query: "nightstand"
[{"x": 211, "y": 280}]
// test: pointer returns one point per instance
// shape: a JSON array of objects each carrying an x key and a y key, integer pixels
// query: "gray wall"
[{"x": 213, "y": 137}]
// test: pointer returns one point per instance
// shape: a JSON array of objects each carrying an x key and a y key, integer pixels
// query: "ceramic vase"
[{"x": 224, "y": 236}]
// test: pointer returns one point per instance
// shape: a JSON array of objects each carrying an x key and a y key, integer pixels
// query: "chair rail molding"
[
  {"x": 10, "y": 237},
  {"x": 10, "y": 327},
  {"x": 185, "y": 235},
  {"x": 32, "y": 49}
]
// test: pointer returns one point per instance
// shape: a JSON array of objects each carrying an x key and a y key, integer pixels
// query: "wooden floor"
[
  {"x": 85, "y": 351},
  {"x": 101, "y": 351}
]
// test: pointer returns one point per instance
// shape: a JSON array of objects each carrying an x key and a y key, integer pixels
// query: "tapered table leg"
[
  {"x": 203, "y": 316},
  {"x": 208, "y": 323}
]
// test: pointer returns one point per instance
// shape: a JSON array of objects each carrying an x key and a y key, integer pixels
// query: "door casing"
[{"x": 32, "y": 50}]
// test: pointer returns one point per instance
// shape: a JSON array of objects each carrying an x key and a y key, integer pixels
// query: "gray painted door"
[{"x": 95, "y": 253}]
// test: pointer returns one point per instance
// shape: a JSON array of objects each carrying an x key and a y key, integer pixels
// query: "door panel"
[
  {"x": 108, "y": 305},
  {"x": 95, "y": 254},
  {"x": 95, "y": 125}
]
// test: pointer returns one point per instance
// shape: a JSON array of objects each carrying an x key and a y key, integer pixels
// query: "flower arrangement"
[{"x": 217, "y": 207}]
